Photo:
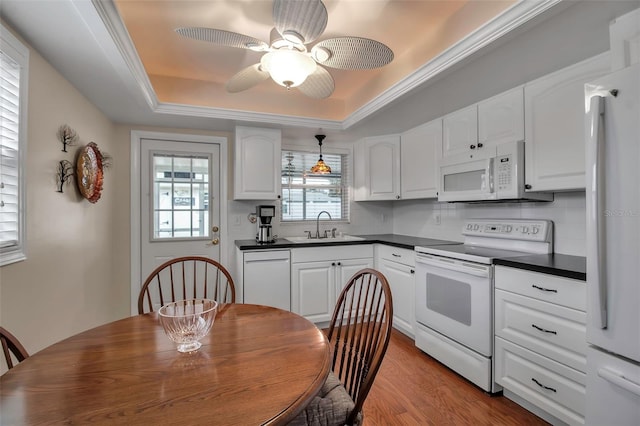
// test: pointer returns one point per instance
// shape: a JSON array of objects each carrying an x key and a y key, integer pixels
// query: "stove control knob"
[
  {"x": 476, "y": 227},
  {"x": 469, "y": 226},
  {"x": 507, "y": 228},
  {"x": 525, "y": 229},
  {"x": 535, "y": 230}
]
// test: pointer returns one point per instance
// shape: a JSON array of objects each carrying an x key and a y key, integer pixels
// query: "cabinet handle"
[
  {"x": 413, "y": 271},
  {"x": 480, "y": 144},
  {"x": 543, "y": 329},
  {"x": 333, "y": 263},
  {"x": 543, "y": 386},
  {"x": 339, "y": 263},
  {"x": 551, "y": 290},
  {"x": 472, "y": 147},
  {"x": 527, "y": 186},
  {"x": 397, "y": 197},
  {"x": 395, "y": 255}
]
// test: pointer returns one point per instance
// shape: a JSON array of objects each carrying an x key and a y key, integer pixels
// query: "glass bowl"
[{"x": 188, "y": 321}]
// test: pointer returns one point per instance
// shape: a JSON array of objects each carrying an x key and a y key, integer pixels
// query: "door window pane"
[{"x": 180, "y": 196}]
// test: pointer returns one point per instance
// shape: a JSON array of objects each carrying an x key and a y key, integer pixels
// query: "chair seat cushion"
[{"x": 330, "y": 407}]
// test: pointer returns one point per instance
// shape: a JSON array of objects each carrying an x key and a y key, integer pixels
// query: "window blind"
[
  {"x": 9, "y": 152},
  {"x": 305, "y": 194}
]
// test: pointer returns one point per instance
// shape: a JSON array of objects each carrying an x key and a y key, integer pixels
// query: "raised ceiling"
[{"x": 182, "y": 71}]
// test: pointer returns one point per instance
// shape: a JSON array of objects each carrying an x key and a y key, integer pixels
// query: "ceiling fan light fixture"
[
  {"x": 320, "y": 167},
  {"x": 320, "y": 54},
  {"x": 293, "y": 37},
  {"x": 288, "y": 68}
]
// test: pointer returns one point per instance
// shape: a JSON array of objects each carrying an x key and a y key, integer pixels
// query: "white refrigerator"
[{"x": 612, "y": 125}]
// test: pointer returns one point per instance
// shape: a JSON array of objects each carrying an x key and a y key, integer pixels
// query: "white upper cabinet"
[
  {"x": 460, "y": 131},
  {"x": 378, "y": 168},
  {"x": 420, "y": 150},
  {"x": 501, "y": 118},
  {"x": 485, "y": 124},
  {"x": 624, "y": 38},
  {"x": 257, "y": 164},
  {"x": 554, "y": 126}
]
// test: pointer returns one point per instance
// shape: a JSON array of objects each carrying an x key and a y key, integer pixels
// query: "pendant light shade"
[{"x": 320, "y": 167}]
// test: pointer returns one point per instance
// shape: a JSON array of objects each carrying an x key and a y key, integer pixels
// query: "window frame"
[
  {"x": 19, "y": 53},
  {"x": 348, "y": 176}
]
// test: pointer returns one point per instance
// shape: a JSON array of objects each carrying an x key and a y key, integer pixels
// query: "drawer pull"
[
  {"x": 543, "y": 386},
  {"x": 395, "y": 255},
  {"x": 543, "y": 329},
  {"x": 551, "y": 290}
]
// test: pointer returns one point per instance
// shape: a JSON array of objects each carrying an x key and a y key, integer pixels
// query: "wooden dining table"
[{"x": 258, "y": 365}]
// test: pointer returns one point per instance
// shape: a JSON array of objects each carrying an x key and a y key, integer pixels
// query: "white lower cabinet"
[
  {"x": 540, "y": 341},
  {"x": 398, "y": 266},
  {"x": 266, "y": 278},
  {"x": 318, "y": 275}
]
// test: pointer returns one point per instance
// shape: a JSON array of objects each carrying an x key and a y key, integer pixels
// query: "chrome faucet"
[{"x": 318, "y": 223}]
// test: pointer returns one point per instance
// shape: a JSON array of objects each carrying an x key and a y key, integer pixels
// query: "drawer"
[
  {"x": 549, "y": 385},
  {"x": 550, "y": 288},
  {"x": 395, "y": 254},
  {"x": 548, "y": 329}
]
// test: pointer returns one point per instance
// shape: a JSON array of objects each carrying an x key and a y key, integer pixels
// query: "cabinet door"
[
  {"x": 554, "y": 126},
  {"x": 460, "y": 131},
  {"x": 401, "y": 280},
  {"x": 501, "y": 118},
  {"x": 345, "y": 269},
  {"x": 420, "y": 149},
  {"x": 257, "y": 164},
  {"x": 266, "y": 278},
  {"x": 381, "y": 168},
  {"x": 624, "y": 38},
  {"x": 313, "y": 290}
]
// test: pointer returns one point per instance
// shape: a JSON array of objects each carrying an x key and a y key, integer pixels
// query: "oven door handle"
[{"x": 453, "y": 265}]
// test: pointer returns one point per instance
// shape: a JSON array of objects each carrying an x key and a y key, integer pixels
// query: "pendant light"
[{"x": 320, "y": 167}]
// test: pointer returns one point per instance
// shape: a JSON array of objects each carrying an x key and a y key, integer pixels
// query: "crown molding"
[
  {"x": 238, "y": 115},
  {"x": 512, "y": 18}
]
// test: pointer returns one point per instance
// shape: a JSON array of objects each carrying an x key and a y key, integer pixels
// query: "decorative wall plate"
[{"x": 89, "y": 174}]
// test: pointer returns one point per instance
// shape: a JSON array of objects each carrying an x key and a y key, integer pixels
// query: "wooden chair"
[
  {"x": 11, "y": 345},
  {"x": 186, "y": 278},
  {"x": 359, "y": 334}
]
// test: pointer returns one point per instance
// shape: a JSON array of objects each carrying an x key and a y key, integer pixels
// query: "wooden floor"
[{"x": 412, "y": 388}]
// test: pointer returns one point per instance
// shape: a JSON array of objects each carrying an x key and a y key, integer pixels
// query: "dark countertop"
[
  {"x": 562, "y": 265},
  {"x": 402, "y": 241}
]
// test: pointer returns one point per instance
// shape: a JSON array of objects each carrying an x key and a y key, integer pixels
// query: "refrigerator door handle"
[
  {"x": 595, "y": 133},
  {"x": 619, "y": 380}
]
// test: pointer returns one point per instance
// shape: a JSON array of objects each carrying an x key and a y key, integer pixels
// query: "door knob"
[
  {"x": 215, "y": 241},
  {"x": 215, "y": 229}
]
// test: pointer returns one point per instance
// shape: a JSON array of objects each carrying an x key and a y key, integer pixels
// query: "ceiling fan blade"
[
  {"x": 223, "y": 38},
  {"x": 318, "y": 85},
  {"x": 300, "y": 21},
  {"x": 352, "y": 53},
  {"x": 246, "y": 78}
]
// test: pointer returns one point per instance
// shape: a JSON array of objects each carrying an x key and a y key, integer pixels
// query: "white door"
[{"x": 179, "y": 201}]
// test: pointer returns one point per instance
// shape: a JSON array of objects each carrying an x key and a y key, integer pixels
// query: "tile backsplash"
[{"x": 429, "y": 218}]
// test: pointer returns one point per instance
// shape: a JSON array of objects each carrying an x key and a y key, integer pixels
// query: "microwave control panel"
[{"x": 504, "y": 174}]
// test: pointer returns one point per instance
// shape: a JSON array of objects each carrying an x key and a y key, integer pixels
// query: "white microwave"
[{"x": 496, "y": 173}]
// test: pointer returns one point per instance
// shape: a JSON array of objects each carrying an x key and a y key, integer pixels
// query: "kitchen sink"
[{"x": 303, "y": 240}]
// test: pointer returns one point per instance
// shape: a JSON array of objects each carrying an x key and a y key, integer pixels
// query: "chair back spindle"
[
  {"x": 186, "y": 278},
  {"x": 12, "y": 346}
]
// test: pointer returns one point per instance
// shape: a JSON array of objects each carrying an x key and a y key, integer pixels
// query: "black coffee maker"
[{"x": 264, "y": 215}]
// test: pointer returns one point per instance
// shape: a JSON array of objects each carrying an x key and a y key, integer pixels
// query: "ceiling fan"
[{"x": 287, "y": 60}]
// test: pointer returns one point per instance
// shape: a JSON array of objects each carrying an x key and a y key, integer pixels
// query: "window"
[
  {"x": 304, "y": 194},
  {"x": 180, "y": 196},
  {"x": 14, "y": 59}
]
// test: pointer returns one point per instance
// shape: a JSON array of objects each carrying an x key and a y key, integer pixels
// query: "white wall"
[{"x": 567, "y": 211}]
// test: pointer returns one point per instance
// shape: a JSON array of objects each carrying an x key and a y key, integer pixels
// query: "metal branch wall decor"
[
  {"x": 64, "y": 173},
  {"x": 67, "y": 136}
]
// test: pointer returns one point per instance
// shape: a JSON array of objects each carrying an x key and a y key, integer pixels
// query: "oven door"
[
  {"x": 467, "y": 180},
  {"x": 454, "y": 298}
]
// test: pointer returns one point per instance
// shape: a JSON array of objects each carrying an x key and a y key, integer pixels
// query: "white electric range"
[{"x": 454, "y": 292}]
